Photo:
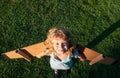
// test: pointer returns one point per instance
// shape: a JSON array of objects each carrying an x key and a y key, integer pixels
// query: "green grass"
[{"x": 25, "y": 22}]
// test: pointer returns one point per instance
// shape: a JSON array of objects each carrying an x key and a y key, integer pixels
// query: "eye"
[
  {"x": 57, "y": 43},
  {"x": 64, "y": 44}
]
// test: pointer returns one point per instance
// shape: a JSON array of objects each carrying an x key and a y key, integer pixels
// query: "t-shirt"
[{"x": 57, "y": 64}]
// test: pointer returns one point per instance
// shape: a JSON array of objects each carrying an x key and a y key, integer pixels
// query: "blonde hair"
[{"x": 59, "y": 32}]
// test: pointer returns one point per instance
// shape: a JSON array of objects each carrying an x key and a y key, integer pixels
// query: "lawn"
[{"x": 93, "y": 23}]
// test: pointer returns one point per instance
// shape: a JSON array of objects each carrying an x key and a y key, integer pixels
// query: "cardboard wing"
[
  {"x": 26, "y": 52},
  {"x": 95, "y": 57}
]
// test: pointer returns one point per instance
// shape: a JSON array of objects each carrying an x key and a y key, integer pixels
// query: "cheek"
[
  {"x": 54, "y": 46},
  {"x": 66, "y": 47}
]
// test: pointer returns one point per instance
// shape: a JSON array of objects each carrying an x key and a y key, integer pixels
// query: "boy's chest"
[{"x": 62, "y": 57}]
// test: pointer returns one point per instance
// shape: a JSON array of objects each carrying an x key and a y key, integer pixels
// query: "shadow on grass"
[
  {"x": 107, "y": 71},
  {"x": 102, "y": 70},
  {"x": 104, "y": 34}
]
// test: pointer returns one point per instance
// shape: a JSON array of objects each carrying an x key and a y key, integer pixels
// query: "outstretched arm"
[{"x": 81, "y": 55}]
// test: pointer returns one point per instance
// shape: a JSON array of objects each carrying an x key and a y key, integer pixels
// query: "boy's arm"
[{"x": 81, "y": 55}]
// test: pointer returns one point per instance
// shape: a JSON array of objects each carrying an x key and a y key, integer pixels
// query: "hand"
[{"x": 81, "y": 57}]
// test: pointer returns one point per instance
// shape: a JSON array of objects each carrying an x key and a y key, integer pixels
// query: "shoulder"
[{"x": 80, "y": 48}]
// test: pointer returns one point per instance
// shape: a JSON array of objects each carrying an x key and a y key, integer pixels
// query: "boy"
[{"x": 61, "y": 49}]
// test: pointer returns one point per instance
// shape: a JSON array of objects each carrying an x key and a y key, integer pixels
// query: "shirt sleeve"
[{"x": 76, "y": 53}]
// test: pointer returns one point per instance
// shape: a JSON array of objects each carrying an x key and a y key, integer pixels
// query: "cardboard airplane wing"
[
  {"x": 94, "y": 56},
  {"x": 35, "y": 49},
  {"x": 26, "y": 52}
]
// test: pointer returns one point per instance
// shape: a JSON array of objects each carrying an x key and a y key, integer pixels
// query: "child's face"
[{"x": 60, "y": 45}]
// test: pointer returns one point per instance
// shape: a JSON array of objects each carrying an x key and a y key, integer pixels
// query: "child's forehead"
[{"x": 58, "y": 39}]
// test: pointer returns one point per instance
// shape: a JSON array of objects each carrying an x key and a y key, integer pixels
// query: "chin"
[{"x": 60, "y": 52}]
